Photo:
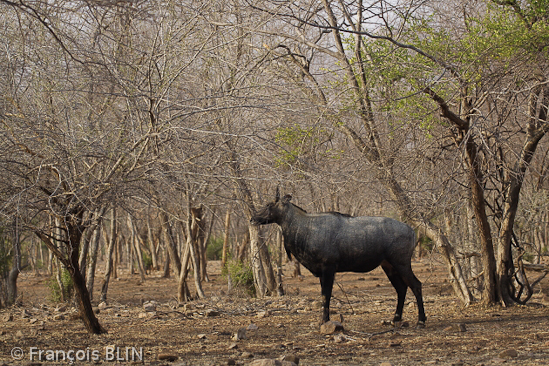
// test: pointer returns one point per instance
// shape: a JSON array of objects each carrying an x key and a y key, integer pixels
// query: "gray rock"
[
  {"x": 240, "y": 334},
  {"x": 149, "y": 306},
  {"x": 246, "y": 354},
  {"x": 291, "y": 358},
  {"x": 331, "y": 327},
  {"x": 508, "y": 353},
  {"x": 212, "y": 313},
  {"x": 271, "y": 362},
  {"x": 263, "y": 314}
]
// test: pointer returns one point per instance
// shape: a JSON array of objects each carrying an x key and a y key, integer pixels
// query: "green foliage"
[
  {"x": 55, "y": 291},
  {"x": 491, "y": 43},
  {"x": 214, "y": 250},
  {"x": 147, "y": 260},
  {"x": 426, "y": 243},
  {"x": 241, "y": 275},
  {"x": 297, "y": 142}
]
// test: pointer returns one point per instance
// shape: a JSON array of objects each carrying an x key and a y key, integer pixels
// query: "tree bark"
[
  {"x": 182, "y": 288},
  {"x": 260, "y": 280},
  {"x": 94, "y": 249},
  {"x": 537, "y": 128},
  {"x": 136, "y": 247},
  {"x": 16, "y": 265},
  {"x": 170, "y": 243},
  {"x": 226, "y": 238},
  {"x": 110, "y": 251},
  {"x": 74, "y": 229},
  {"x": 151, "y": 242}
]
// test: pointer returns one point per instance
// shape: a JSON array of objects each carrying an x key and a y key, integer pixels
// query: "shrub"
[
  {"x": 147, "y": 260},
  {"x": 241, "y": 275},
  {"x": 55, "y": 291},
  {"x": 214, "y": 250}
]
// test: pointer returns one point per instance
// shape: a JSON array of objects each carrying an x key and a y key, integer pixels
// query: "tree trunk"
[
  {"x": 182, "y": 288},
  {"x": 166, "y": 271},
  {"x": 537, "y": 128},
  {"x": 16, "y": 265},
  {"x": 134, "y": 241},
  {"x": 110, "y": 251},
  {"x": 226, "y": 238},
  {"x": 84, "y": 302},
  {"x": 73, "y": 225},
  {"x": 260, "y": 279},
  {"x": 94, "y": 249},
  {"x": 280, "y": 246},
  {"x": 194, "y": 232},
  {"x": 203, "y": 242},
  {"x": 170, "y": 243},
  {"x": 151, "y": 243}
]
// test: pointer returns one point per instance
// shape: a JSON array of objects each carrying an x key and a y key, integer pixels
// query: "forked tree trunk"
[
  {"x": 183, "y": 294},
  {"x": 537, "y": 128},
  {"x": 71, "y": 262},
  {"x": 194, "y": 229}
]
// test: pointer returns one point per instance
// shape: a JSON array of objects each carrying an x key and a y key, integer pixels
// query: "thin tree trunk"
[
  {"x": 183, "y": 289},
  {"x": 194, "y": 231},
  {"x": 151, "y": 241},
  {"x": 166, "y": 271},
  {"x": 90, "y": 275},
  {"x": 137, "y": 249},
  {"x": 226, "y": 238},
  {"x": 129, "y": 254},
  {"x": 16, "y": 265},
  {"x": 260, "y": 280},
  {"x": 110, "y": 252},
  {"x": 203, "y": 242},
  {"x": 116, "y": 256},
  {"x": 170, "y": 243},
  {"x": 279, "y": 284}
]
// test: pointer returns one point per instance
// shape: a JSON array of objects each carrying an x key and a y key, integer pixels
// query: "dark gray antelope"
[{"x": 326, "y": 243}]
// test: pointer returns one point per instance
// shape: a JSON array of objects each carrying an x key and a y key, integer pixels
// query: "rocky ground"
[{"x": 147, "y": 326}]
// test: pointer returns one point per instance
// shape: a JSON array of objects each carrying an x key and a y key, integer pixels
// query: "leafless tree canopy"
[{"x": 171, "y": 121}]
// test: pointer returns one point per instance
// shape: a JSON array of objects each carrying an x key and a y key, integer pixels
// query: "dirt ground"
[{"x": 201, "y": 332}]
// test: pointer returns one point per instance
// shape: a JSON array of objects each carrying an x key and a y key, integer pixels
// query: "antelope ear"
[
  {"x": 277, "y": 195},
  {"x": 286, "y": 198}
]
